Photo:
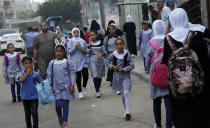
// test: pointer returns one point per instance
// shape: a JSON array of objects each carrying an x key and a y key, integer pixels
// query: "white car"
[{"x": 15, "y": 39}]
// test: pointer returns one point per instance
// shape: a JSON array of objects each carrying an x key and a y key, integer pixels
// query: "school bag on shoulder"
[
  {"x": 159, "y": 71},
  {"x": 7, "y": 59},
  {"x": 186, "y": 77}
]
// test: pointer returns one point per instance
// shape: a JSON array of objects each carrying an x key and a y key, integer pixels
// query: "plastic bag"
[{"x": 45, "y": 93}]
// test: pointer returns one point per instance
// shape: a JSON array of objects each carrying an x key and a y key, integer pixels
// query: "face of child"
[
  {"x": 11, "y": 49},
  {"x": 27, "y": 64},
  {"x": 120, "y": 46},
  {"x": 76, "y": 33},
  {"x": 144, "y": 27},
  {"x": 59, "y": 53},
  {"x": 70, "y": 36},
  {"x": 93, "y": 36},
  {"x": 112, "y": 30}
]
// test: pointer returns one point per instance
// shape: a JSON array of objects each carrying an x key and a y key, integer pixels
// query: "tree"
[{"x": 69, "y": 9}]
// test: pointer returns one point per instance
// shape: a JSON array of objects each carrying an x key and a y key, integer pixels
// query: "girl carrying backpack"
[
  {"x": 193, "y": 111},
  {"x": 158, "y": 74}
]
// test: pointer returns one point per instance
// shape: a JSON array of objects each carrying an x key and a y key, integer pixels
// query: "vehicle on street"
[{"x": 15, "y": 39}]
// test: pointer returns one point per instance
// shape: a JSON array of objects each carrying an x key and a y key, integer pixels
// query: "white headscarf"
[
  {"x": 180, "y": 24},
  {"x": 197, "y": 27},
  {"x": 158, "y": 28},
  {"x": 129, "y": 19},
  {"x": 74, "y": 29}
]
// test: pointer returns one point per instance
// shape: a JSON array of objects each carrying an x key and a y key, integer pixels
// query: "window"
[{"x": 6, "y": 3}]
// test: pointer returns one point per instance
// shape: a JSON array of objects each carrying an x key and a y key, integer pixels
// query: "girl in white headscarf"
[
  {"x": 158, "y": 93},
  {"x": 76, "y": 48},
  {"x": 193, "y": 112}
]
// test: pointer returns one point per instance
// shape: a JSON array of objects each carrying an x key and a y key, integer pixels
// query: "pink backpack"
[{"x": 159, "y": 72}]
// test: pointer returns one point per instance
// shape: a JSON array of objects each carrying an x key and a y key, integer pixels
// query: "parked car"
[{"x": 15, "y": 39}]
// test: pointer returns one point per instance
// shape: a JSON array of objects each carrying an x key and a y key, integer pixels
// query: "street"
[{"x": 90, "y": 112}]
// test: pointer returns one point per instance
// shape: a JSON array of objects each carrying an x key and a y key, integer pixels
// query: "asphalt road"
[{"x": 90, "y": 112}]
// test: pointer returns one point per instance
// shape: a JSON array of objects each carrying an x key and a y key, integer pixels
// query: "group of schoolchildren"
[{"x": 63, "y": 73}]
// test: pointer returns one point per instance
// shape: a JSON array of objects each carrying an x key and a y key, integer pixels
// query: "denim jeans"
[
  {"x": 157, "y": 111},
  {"x": 30, "y": 108},
  {"x": 62, "y": 109},
  {"x": 97, "y": 83},
  {"x": 13, "y": 89},
  {"x": 85, "y": 76}
]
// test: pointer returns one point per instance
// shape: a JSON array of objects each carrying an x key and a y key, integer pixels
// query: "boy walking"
[{"x": 29, "y": 79}]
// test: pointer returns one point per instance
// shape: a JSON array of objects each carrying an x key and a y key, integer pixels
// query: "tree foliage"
[{"x": 69, "y": 9}]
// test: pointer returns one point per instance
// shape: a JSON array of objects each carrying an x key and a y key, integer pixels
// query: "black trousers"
[
  {"x": 30, "y": 108},
  {"x": 80, "y": 74},
  {"x": 110, "y": 75}
]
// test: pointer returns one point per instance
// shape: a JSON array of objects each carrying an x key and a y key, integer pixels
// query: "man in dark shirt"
[
  {"x": 44, "y": 49},
  {"x": 155, "y": 15}
]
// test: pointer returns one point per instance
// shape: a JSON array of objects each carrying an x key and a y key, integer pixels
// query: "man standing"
[
  {"x": 164, "y": 13},
  {"x": 44, "y": 49},
  {"x": 154, "y": 13},
  {"x": 29, "y": 40}
]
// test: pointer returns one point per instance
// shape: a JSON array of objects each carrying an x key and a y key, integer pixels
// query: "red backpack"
[{"x": 159, "y": 71}]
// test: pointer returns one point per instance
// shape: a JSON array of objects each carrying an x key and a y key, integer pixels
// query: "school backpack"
[
  {"x": 159, "y": 71},
  {"x": 186, "y": 77},
  {"x": 7, "y": 59}
]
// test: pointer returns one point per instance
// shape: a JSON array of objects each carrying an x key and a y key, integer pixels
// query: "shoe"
[
  {"x": 65, "y": 125},
  {"x": 118, "y": 92},
  {"x": 19, "y": 99},
  {"x": 60, "y": 120},
  {"x": 14, "y": 100},
  {"x": 98, "y": 95},
  {"x": 155, "y": 126},
  {"x": 127, "y": 116},
  {"x": 81, "y": 95},
  {"x": 84, "y": 91}
]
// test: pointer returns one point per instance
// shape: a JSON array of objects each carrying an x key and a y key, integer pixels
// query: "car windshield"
[{"x": 11, "y": 37}]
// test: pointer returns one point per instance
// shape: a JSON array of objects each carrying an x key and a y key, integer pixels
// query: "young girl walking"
[
  {"x": 11, "y": 68},
  {"x": 158, "y": 92},
  {"x": 143, "y": 39},
  {"x": 122, "y": 63},
  {"x": 109, "y": 44},
  {"x": 62, "y": 76},
  {"x": 76, "y": 48},
  {"x": 97, "y": 51}
]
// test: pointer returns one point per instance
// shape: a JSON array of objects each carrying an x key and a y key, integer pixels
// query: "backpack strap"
[
  {"x": 170, "y": 42},
  {"x": 189, "y": 39},
  {"x": 52, "y": 73},
  {"x": 125, "y": 60},
  {"x": 154, "y": 44},
  {"x": 6, "y": 60}
]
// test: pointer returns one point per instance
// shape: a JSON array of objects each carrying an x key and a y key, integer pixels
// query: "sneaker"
[
  {"x": 84, "y": 91},
  {"x": 155, "y": 126},
  {"x": 19, "y": 99},
  {"x": 98, "y": 95},
  {"x": 118, "y": 92},
  {"x": 127, "y": 116},
  {"x": 81, "y": 95}
]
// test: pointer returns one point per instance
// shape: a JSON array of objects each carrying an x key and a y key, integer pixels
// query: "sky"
[{"x": 39, "y": 1}]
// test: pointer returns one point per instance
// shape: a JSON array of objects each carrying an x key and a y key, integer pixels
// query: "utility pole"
[{"x": 101, "y": 7}]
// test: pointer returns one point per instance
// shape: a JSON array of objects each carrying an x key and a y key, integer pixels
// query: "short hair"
[
  {"x": 30, "y": 29},
  {"x": 27, "y": 58},
  {"x": 150, "y": 7},
  {"x": 85, "y": 28},
  {"x": 36, "y": 29},
  {"x": 119, "y": 39},
  {"x": 10, "y": 44}
]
